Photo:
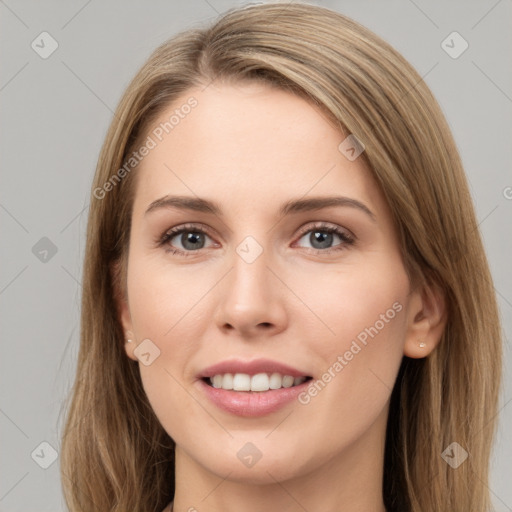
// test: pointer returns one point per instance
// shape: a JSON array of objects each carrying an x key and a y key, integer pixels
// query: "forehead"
[{"x": 263, "y": 143}]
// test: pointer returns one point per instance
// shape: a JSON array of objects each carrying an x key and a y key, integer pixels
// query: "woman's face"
[{"x": 267, "y": 279}]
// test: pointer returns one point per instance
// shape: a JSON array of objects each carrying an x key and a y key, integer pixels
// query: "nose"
[{"x": 251, "y": 299}]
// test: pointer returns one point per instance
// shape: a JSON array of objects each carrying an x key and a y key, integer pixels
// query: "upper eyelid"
[
  {"x": 188, "y": 227},
  {"x": 320, "y": 224},
  {"x": 306, "y": 227}
]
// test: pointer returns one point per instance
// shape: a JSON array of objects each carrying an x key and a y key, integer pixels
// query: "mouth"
[
  {"x": 250, "y": 403},
  {"x": 259, "y": 382},
  {"x": 252, "y": 388}
]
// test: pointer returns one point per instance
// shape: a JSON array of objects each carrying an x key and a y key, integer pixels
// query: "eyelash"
[{"x": 347, "y": 240}]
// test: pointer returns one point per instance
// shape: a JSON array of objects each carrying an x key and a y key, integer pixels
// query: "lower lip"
[{"x": 252, "y": 403}]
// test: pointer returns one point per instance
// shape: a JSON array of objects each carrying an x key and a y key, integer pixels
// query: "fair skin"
[{"x": 251, "y": 148}]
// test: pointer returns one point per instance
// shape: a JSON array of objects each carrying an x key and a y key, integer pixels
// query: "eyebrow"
[{"x": 293, "y": 206}]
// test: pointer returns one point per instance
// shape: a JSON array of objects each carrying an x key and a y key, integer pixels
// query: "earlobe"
[
  {"x": 129, "y": 338},
  {"x": 123, "y": 310},
  {"x": 130, "y": 345},
  {"x": 426, "y": 322}
]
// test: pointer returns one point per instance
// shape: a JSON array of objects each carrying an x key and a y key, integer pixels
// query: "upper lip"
[{"x": 251, "y": 368}]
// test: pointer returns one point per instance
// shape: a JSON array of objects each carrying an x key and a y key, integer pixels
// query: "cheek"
[
  {"x": 363, "y": 333},
  {"x": 162, "y": 299},
  {"x": 364, "y": 348},
  {"x": 355, "y": 304},
  {"x": 165, "y": 308}
]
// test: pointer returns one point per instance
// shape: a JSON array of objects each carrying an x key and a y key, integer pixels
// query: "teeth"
[
  {"x": 226, "y": 381},
  {"x": 275, "y": 381},
  {"x": 288, "y": 381},
  {"x": 241, "y": 382},
  {"x": 258, "y": 382},
  {"x": 217, "y": 381}
]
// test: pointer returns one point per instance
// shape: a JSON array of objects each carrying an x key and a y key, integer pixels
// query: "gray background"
[{"x": 54, "y": 116}]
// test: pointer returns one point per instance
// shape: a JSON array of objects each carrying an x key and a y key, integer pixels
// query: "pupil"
[
  {"x": 192, "y": 239},
  {"x": 324, "y": 239}
]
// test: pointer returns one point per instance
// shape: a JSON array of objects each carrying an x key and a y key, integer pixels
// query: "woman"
[{"x": 286, "y": 301}]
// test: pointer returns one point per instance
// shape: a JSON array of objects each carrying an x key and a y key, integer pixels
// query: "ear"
[
  {"x": 122, "y": 308},
  {"x": 426, "y": 321}
]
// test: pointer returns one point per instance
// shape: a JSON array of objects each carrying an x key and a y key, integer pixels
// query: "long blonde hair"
[{"x": 115, "y": 455}]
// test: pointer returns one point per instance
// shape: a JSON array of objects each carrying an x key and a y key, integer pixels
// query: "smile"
[{"x": 260, "y": 382}]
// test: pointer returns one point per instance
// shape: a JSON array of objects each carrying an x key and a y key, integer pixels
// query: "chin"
[{"x": 269, "y": 464}]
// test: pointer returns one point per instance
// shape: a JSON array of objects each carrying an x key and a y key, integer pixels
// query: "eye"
[
  {"x": 322, "y": 237},
  {"x": 188, "y": 239}
]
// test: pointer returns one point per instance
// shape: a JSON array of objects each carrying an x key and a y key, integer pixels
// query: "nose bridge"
[
  {"x": 249, "y": 296},
  {"x": 249, "y": 279}
]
